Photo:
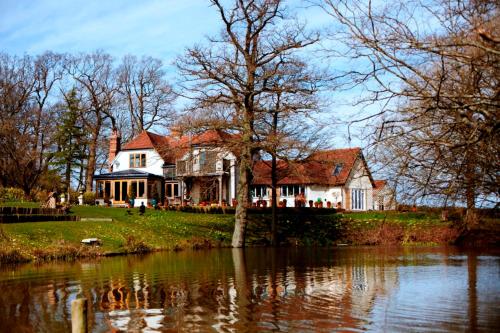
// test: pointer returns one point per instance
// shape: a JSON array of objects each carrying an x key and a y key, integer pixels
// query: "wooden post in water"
[{"x": 79, "y": 315}]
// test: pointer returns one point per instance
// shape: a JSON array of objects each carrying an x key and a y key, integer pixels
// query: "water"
[{"x": 286, "y": 290}]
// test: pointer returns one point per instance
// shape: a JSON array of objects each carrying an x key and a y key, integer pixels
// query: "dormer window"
[
  {"x": 137, "y": 160},
  {"x": 337, "y": 169}
]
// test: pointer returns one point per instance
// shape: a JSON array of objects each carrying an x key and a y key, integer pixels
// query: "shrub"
[
  {"x": 89, "y": 198},
  {"x": 73, "y": 197},
  {"x": 134, "y": 245},
  {"x": 10, "y": 255},
  {"x": 40, "y": 195},
  {"x": 296, "y": 225},
  {"x": 11, "y": 194},
  {"x": 64, "y": 251}
]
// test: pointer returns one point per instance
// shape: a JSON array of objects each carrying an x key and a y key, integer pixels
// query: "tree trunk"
[
  {"x": 241, "y": 214},
  {"x": 274, "y": 221},
  {"x": 89, "y": 174},
  {"x": 470, "y": 196},
  {"x": 67, "y": 176},
  {"x": 274, "y": 184}
]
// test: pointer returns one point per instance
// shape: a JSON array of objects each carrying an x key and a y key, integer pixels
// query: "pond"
[{"x": 289, "y": 290}]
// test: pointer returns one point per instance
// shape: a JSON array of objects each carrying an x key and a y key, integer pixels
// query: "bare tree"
[
  {"x": 286, "y": 129},
  {"x": 25, "y": 117},
  {"x": 231, "y": 73},
  {"x": 432, "y": 67},
  {"x": 145, "y": 92},
  {"x": 95, "y": 77}
]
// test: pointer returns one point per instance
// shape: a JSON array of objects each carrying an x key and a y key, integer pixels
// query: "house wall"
[
  {"x": 229, "y": 190},
  {"x": 359, "y": 180},
  {"x": 154, "y": 162},
  {"x": 325, "y": 193},
  {"x": 312, "y": 192},
  {"x": 386, "y": 196}
]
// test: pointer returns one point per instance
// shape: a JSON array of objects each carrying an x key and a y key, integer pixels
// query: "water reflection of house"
[{"x": 325, "y": 297}]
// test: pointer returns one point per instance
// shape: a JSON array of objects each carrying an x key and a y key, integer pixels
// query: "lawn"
[
  {"x": 396, "y": 217},
  {"x": 163, "y": 230},
  {"x": 156, "y": 229}
]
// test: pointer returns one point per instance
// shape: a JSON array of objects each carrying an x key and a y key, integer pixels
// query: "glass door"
[{"x": 120, "y": 191}]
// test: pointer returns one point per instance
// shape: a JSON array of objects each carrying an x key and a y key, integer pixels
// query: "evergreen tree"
[{"x": 69, "y": 138}]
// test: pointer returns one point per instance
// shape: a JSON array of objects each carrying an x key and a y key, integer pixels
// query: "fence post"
[{"x": 79, "y": 315}]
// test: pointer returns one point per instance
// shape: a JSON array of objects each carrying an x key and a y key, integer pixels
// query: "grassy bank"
[
  {"x": 394, "y": 228},
  {"x": 128, "y": 232},
  {"x": 417, "y": 228}
]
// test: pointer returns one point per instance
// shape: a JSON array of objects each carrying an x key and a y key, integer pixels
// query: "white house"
[
  {"x": 136, "y": 171},
  {"x": 175, "y": 169},
  {"x": 199, "y": 170},
  {"x": 337, "y": 178}
]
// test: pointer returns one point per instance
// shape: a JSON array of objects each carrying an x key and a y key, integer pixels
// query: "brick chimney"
[{"x": 114, "y": 147}]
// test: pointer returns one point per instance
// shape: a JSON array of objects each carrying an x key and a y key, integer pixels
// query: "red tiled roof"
[
  {"x": 380, "y": 184},
  {"x": 171, "y": 148},
  {"x": 145, "y": 140},
  {"x": 148, "y": 140},
  {"x": 317, "y": 169}
]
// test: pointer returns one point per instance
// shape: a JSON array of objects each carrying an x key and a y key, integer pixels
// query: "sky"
[{"x": 157, "y": 28}]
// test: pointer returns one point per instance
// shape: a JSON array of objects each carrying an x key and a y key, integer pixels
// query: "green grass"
[
  {"x": 157, "y": 229},
  {"x": 395, "y": 217}
]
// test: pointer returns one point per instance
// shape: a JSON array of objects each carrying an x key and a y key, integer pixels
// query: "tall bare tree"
[
  {"x": 432, "y": 66},
  {"x": 286, "y": 129},
  {"x": 95, "y": 76},
  {"x": 232, "y": 72},
  {"x": 26, "y": 85},
  {"x": 145, "y": 92}
]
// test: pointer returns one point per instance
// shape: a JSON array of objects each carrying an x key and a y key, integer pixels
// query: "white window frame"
[
  {"x": 259, "y": 191},
  {"x": 292, "y": 190},
  {"x": 358, "y": 196}
]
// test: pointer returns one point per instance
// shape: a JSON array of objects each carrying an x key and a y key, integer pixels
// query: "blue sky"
[{"x": 158, "y": 28}]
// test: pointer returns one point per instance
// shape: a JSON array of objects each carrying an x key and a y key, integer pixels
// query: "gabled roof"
[
  {"x": 148, "y": 140},
  {"x": 317, "y": 169},
  {"x": 145, "y": 140},
  {"x": 171, "y": 148}
]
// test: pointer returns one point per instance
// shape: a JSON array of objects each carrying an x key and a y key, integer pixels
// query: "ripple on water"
[{"x": 350, "y": 290}]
